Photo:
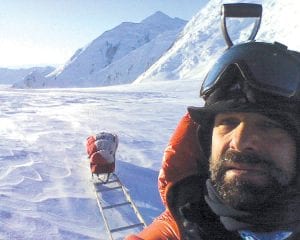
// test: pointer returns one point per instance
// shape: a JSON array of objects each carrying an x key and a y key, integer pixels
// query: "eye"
[
  {"x": 228, "y": 121},
  {"x": 268, "y": 125}
]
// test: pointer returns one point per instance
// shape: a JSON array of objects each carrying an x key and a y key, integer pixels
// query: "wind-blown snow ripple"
[{"x": 45, "y": 189}]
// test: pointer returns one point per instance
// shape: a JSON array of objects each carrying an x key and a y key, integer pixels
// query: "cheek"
[
  {"x": 283, "y": 152},
  {"x": 218, "y": 145}
]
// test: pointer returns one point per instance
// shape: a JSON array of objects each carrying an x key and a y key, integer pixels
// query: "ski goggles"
[{"x": 270, "y": 68}]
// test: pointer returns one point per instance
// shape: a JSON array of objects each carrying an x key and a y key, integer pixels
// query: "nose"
[{"x": 245, "y": 138}]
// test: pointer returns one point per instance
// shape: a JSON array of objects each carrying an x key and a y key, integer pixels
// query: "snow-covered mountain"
[
  {"x": 117, "y": 56},
  {"x": 152, "y": 50},
  {"x": 10, "y": 76},
  {"x": 201, "y": 40}
]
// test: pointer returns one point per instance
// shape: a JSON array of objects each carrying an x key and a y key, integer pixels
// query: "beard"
[{"x": 242, "y": 193}]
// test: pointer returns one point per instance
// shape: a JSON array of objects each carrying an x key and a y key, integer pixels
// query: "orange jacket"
[{"x": 181, "y": 159}]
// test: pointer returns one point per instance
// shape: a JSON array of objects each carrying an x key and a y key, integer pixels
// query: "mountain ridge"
[
  {"x": 201, "y": 40},
  {"x": 89, "y": 65}
]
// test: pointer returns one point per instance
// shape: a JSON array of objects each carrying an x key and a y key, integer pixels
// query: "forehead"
[{"x": 244, "y": 116}]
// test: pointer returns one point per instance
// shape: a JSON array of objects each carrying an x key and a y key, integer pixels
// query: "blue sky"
[{"x": 37, "y": 32}]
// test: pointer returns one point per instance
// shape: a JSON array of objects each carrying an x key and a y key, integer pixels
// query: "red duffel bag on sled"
[{"x": 101, "y": 150}]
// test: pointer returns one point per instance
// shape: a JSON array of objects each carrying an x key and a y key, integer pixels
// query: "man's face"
[{"x": 252, "y": 159}]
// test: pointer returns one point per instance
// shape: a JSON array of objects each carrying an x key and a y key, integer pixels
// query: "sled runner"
[{"x": 117, "y": 209}]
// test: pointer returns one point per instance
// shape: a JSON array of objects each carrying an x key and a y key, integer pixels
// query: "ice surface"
[{"x": 45, "y": 188}]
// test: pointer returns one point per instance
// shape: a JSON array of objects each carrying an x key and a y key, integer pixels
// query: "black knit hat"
[{"x": 238, "y": 96}]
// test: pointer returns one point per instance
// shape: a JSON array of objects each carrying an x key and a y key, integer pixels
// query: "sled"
[
  {"x": 101, "y": 149},
  {"x": 112, "y": 197}
]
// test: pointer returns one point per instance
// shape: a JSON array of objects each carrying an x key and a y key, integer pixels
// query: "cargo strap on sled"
[{"x": 111, "y": 197}]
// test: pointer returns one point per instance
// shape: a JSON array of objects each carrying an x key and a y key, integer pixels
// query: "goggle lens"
[{"x": 266, "y": 66}]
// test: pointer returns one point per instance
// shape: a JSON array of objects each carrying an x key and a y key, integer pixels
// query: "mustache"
[
  {"x": 251, "y": 158},
  {"x": 231, "y": 156}
]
